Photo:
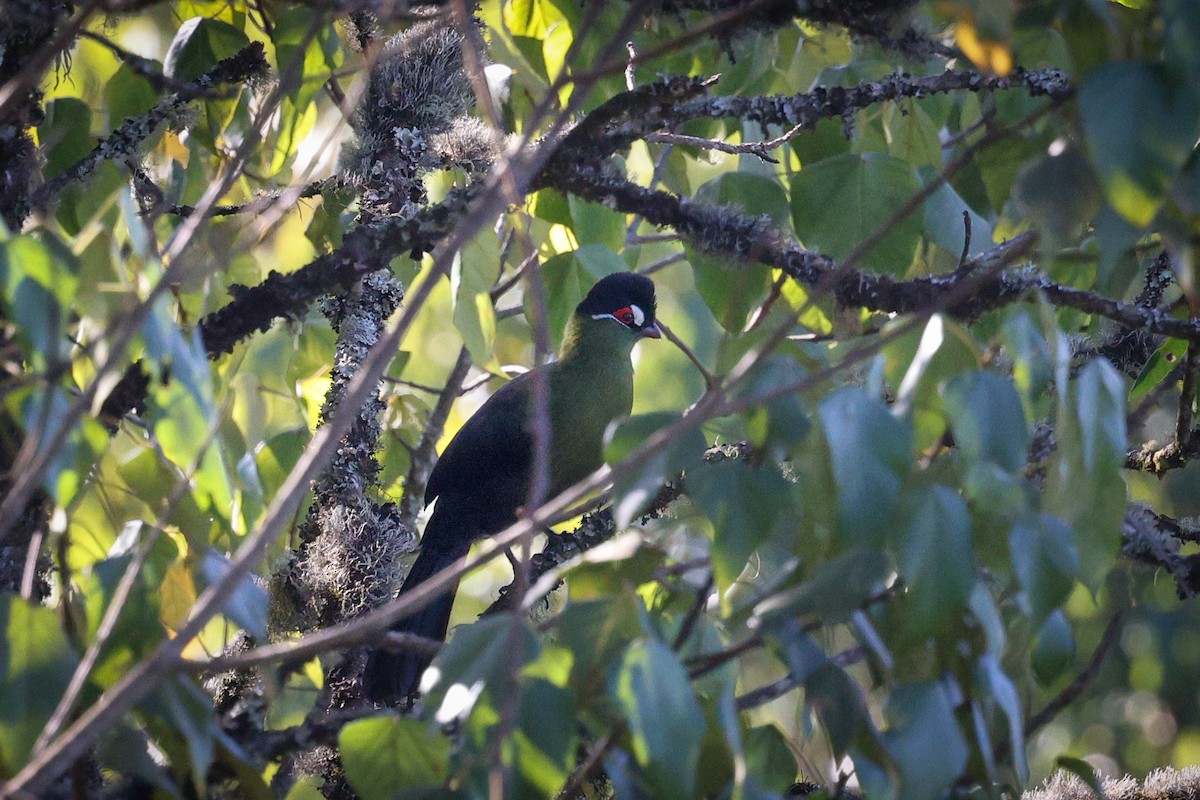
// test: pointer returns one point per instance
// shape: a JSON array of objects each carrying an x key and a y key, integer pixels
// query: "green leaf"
[
  {"x": 944, "y": 226},
  {"x": 472, "y": 275},
  {"x": 999, "y": 692},
  {"x": 635, "y": 488},
  {"x": 76, "y": 457},
  {"x": 768, "y": 758},
  {"x": 1161, "y": 364},
  {"x": 1085, "y": 486},
  {"x": 1140, "y": 124},
  {"x": 937, "y": 561},
  {"x": 732, "y": 290},
  {"x": 596, "y": 633},
  {"x": 39, "y": 279},
  {"x": 199, "y": 44},
  {"x": 1046, "y": 562},
  {"x": 1059, "y": 194},
  {"x": 665, "y": 722},
  {"x": 1032, "y": 369},
  {"x": 476, "y": 656},
  {"x": 746, "y": 505},
  {"x": 1084, "y": 771},
  {"x": 127, "y": 94},
  {"x": 593, "y": 223},
  {"x": 387, "y": 757},
  {"x": 754, "y": 195},
  {"x": 987, "y": 419},
  {"x": 924, "y": 741},
  {"x": 567, "y": 277},
  {"x": 544, "y": 744},
  {"x": 64, "y": 134},
  {"x": 776, "y": 421},
  {"x": 317, "y": 60},
  {"x": 841, "y": 201},
  {"x": 911, "y": 135},
  {"x": 1054, "y": 648},
  {"x": 36, "y": 663},
  {"x": 248, "y": 604},
  {"x": 838, "y": 702},
  {"x": 870, "y": 452},
  {"x": 838, "y": 587}
]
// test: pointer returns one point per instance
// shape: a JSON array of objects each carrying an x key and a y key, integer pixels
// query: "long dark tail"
[{"x": 391, "y": 676}]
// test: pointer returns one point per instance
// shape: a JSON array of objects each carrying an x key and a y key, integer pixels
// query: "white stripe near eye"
[{"x": 638, "y": 316}]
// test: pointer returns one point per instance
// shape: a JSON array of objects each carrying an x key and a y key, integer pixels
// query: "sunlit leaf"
[
  {"x": 838, "y": 203},
  {"x": 387, "y": 756},
  {"x": 665, "y": 721},
  {"x": 36, "y": 663}
]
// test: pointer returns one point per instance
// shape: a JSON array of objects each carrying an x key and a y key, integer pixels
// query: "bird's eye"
[{"x": 627, "y": 317}]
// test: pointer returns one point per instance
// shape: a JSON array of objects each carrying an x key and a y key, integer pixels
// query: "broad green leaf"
[
  {"x": 1054, "y": 649},
  {"x": 199, "y": 44},
  {"x": 747, "y": 506},
  {"x": 476, "y": 656},
  {"x": 838, "y": 587},
  {"x": 1059, "y": 195},
  {"x": 39, "y": 279},
  {"x": 777, "y": 421},
  {"x": 180, "y": 709},
  {"x": 66, "y": 475},
  {"x": 127, "y": 94},
  {"x": 1085, "y": 486},
  {"x": 1164, "y": 361},
  {"x": 730, "y": 289},
  {"x": 36, "y": 664},
  {"x": 248, "y": 604},
  {"x": 1032, "y": 369},
  {"x": 388, "y": 757},
  {"x": 838, "y": 702},
  {"x": 1084, "y": 771},
  {"x": 911, "y": 135},
  {"x": 768, "y": 757},
  {"x": 924, "y": 741},
  {"x": 637, "y": 485},
  {"x": 295, "y": 124},
  {"x": 870, "y": 452},
  {"x": 665, "y": 722},
  {"x": 474, "y": 271},
  {"x": 318, "y": 54},
  {"x": 544, "y": 744},
  {"x": 1046, "y": 561},
  {"x": 839, "y": 202},
  {"x": 596, "y": 633},
  {"x": 64, "y": 134},
  {"x": 944, "y": 225},
  {"x": 750, "y": 194},
  {"x": 1136, "y": 162},
  {"x": 567, "y": 277},
  {"x": 999, "y": 693},
  {"x": 987, "y": 419},
  {"x": 593, "y": 223},
  {"x": 937, "y": 561}
]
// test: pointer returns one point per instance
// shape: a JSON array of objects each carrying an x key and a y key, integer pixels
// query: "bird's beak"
[{"x": 651, "y": 331}]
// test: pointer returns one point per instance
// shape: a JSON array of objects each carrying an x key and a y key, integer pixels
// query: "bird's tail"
[{"x": 390, "y": 676}]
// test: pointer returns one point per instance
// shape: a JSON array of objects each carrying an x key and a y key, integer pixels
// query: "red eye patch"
[{"x": 625, "y": 315}]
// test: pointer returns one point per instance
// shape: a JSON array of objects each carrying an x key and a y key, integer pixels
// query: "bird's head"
[{"x": 626, "y": 299}]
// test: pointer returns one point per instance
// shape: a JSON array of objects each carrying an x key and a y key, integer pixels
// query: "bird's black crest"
[{"x": 619, "y": 290}]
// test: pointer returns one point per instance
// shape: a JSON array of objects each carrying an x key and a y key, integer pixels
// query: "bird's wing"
[{"x": 493, "y": 444}]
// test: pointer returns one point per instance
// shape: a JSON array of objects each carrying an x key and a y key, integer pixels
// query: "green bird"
[{"x": 483, "y": 477}]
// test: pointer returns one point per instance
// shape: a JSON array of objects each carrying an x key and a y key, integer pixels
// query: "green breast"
[{"x": 589, "y": 388}]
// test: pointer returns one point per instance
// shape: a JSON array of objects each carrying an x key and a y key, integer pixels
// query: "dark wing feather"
[{"x": 493, "y": 444}]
